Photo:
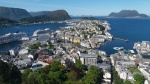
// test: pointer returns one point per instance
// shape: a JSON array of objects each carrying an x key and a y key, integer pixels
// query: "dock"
[{"x": 126, "y": 40}]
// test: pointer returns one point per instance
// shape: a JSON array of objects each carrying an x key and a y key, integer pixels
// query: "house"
[
  {"x": 23, "y": 51},
  {"x": 76, "y": 39},
  {"x": 45, "y": 54},
  {"x": 107, "y": 77},
  {"x": 85, "y": 44}
]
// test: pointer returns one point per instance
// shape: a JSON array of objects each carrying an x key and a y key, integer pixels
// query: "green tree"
[
  {"x": 4, "y": 69},
  {"x": 51, "y": 46},
  {"x": 78, "y": 64},
  {"x": 139, "y": 78},
  {"x": 25, "y": 74},
  {"x": 57, "y": 76},
  {"x": 93, "y": 76},
  {"x": 15, "y": 74},
  {"x": 55, "y": 66},
  {"x": 127, "y": 82},
  {"x": 9, "y": 74},
  {"x": 38, "y": 44},
  {"x": 72, "y": 75},
  {"x": 116, "y": 78}
]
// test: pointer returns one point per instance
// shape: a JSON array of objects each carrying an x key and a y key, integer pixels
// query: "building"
[
  {"x": 88, "y": 59},
  {"x": 76, "y": 39},
  {"x": 45, "y": 54}
]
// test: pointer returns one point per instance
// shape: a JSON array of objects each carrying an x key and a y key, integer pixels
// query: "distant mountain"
[
  {"x": 51, "y": 16},
  {"x": 39, "y": 13},
  {"x": 13, "y": 13},
  {"x": 127, "y": 14}
]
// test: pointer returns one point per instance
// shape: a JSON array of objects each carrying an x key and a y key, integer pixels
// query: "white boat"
[
  {"x": 47, "y": 30},
  {"x": 118, "y": 48},
  {"x": 10, "y": 37}
]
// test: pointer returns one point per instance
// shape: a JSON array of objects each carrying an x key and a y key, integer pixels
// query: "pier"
[{"x": 126, "y": 40}]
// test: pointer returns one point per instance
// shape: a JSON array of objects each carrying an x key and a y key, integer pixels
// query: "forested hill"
[{"x": 51, "y": 16}]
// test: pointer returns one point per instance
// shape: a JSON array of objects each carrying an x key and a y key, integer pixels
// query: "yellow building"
[
  {"x": 93, "y": 29},
  {"x": 76, "y": 39}
]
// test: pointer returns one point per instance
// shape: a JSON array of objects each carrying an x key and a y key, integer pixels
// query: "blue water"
[
  {"x": 132, "y": 29},
  {"x": 29, "y": 29}
]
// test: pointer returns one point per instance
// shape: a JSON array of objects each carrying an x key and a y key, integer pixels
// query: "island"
[{"x": 127, "y": 14}]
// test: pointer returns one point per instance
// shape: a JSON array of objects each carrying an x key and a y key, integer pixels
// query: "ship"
[
  {"x": 11, "y": 37},
  {"x": 118, "y": 48},
  {"x": 47, "y": 30}
]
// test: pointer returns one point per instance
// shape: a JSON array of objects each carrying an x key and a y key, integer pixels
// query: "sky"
[{"x": 80, "y": 7}]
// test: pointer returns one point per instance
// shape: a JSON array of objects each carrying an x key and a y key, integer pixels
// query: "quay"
[{"x": 126, "y": 40}]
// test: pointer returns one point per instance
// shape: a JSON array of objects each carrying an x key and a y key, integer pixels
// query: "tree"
[
  {"x": 15, "y": 75},
  {"x": 78, "y": 64},
  {"x": 57, "y": 76},
  {"x": 139, "y": 79},
  {"x": 93, "y": 76},
  {"x": 4, "y": 69},
  {"x": 25, "y": 74},
  {"x": 38, "y": 44},
  {"x": 127, "y": 82},
  {"x": 55, "y": 66},
  {"x": 9, "y": 74},
  {"x": 116, "y": 78},
  {"x": 72, "y": 75}
]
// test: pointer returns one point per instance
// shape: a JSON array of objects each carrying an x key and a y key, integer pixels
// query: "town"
[{"x": 78, "y": 41}]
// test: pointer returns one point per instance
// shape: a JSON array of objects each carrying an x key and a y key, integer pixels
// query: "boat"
[
  {"x": 47, "y": 30},
  {"x": 118, "y": 48},
  {"x": 11, "y": 37}
]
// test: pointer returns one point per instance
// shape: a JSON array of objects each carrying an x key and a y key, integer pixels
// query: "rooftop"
[{"x": 88, "y": 55}]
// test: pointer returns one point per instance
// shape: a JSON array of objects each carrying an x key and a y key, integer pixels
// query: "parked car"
[{"x": 36, "y": 66}]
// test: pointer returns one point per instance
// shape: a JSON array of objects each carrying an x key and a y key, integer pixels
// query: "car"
[{"x": 36, "y": 66}]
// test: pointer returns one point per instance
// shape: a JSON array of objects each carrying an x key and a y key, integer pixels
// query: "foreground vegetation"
[{"x": 55, "y": 73}]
